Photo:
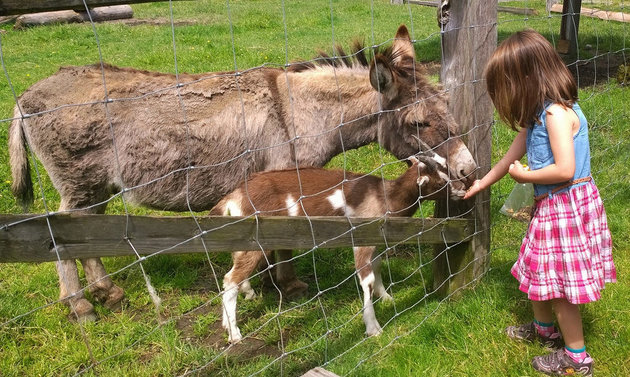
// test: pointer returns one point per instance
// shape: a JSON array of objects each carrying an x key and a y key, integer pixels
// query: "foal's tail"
[{"x": 22, "y": 185}]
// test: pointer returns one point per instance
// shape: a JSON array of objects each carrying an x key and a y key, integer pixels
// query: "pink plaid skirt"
[{"x": 567, "y": 251}]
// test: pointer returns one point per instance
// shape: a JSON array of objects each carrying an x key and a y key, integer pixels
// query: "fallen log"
[{"x": 98, "y": 14}]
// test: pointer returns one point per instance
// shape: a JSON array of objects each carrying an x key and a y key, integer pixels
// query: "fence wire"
[{"x": 331, "y": 310}]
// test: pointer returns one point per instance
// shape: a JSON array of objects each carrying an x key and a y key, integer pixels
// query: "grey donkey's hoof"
[
  {"x": 294, "y": 289},
  {"x": 111, "y": 297},
  {"x": 82, "y": 311},
  {"x": 114, "y": 299},
  {"x": 291, "y": 290}
]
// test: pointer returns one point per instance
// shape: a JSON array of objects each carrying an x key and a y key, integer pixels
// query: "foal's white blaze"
[
  {"x": 440, "y": 160},
  {"x": 292, "y": 206}
]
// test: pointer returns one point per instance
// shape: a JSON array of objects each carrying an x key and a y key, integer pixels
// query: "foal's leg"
[
  {"x": 379, "y": 288},
  {"x": 363, "y": 264},
  {"x": 245, "y": 262}
]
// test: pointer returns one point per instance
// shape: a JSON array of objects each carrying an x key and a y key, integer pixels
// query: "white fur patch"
[
  {"x": 422, "y": 180},
  {"x": 444, "y": 176},
  {"x": 440, "y": 160},
  {"x": 292, "y": 206},
  {"x": 337, "y": 200},
  {"x": 232, "y": 208}
]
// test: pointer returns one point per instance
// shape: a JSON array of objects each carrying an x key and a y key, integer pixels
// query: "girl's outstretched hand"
[{"x": 473, "y": 189}]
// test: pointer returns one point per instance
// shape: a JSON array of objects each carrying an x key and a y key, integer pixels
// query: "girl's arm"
[
  {"x": 514, "y": 153},
  {"x": 562, "y": 123}
]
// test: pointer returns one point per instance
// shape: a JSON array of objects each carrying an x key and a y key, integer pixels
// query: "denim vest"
[{"x": 539, "y": 152}]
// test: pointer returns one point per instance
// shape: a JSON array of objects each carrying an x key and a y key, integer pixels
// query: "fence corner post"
[{"x": 469, "y": 37}]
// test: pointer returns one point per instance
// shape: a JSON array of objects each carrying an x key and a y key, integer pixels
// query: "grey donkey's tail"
[{"x": 22, "y": 185}]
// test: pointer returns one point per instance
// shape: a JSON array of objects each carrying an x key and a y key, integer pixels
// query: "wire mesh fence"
[{"x": 102, "y": 139}]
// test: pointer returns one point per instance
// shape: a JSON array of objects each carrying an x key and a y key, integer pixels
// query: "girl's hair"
[{"x": 525, "y": 72}]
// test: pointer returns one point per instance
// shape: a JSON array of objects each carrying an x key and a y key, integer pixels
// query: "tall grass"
[{"x": 422, "y": 334}]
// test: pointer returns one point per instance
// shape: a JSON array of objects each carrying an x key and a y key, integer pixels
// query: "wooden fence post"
[
  {"x": 469, "y": 36},
  {"x": 569, "y": 27}
]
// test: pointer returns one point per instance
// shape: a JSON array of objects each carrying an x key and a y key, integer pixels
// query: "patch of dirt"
[
  {"x": 596, "y": 71},
  {"x": 431, "y": 68},
  {"x": 153, "y": 22},
  {"x": 249, "y": 348}
]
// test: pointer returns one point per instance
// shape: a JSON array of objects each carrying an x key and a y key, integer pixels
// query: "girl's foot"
[
  {"x": 528, "y": 332},
  {"x": 558, "y": 363}
]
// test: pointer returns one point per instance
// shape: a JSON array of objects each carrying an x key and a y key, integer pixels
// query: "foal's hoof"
[
  {"x": 295, "y": 289},
  {"x": 81, "y": 312},
  {"x": 373, "y": 330},
  {"x": 115, "y": 299}
]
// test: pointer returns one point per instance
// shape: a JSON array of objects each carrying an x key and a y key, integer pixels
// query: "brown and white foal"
[{"x": 330, "y": 193}]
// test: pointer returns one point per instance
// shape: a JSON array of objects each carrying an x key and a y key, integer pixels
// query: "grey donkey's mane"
[{"x": 407, "y": 67}]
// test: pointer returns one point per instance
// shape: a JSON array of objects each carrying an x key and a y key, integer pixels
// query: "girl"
[{"x": 566, "y": 255}]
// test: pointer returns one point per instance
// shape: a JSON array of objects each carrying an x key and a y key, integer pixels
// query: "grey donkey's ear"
[
  {"x": 381, "y": 75},
  {"x": 402, "y": 46}
]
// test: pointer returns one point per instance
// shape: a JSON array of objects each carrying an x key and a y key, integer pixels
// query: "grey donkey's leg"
[
  {"x": 103, "y": 289},
  {"x": 71, "y": 294},
  {"x": 101, "y": 285},
  {"x": 287, "y": 280}
]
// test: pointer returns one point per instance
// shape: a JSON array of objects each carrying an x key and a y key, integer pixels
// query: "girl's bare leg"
[
  {"x": 570, "y": 321},
  {"x": 542, "y": 311}
]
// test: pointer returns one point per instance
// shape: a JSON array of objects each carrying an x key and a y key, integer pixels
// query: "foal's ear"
[
  {"x": 422, "y": 180},
  {"x": 402, "y": 46},
  {"x": 381, "y": 75}
]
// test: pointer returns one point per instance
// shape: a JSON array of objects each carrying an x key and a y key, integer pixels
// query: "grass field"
[{"x": 423, "y": 335}]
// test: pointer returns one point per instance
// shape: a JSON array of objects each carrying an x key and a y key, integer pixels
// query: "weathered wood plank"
[
  {"x": 319, "y": 372},
  {"x": 24, "y": 238},
  {"x": 9, "y": 7}
]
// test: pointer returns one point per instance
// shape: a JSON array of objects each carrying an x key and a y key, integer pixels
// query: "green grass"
[{"x": 422, "y": 334}]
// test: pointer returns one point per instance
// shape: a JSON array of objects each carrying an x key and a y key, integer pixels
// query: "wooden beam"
[
  {"x": 9, "y": 7},
  {"x": 24, "y": 238}
]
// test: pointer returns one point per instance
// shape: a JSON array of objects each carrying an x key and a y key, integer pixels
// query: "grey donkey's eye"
[{"x": 421, "y": 124}]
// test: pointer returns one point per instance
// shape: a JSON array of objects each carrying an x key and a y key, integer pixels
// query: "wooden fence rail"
[{"x": 24, "y": 238}]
